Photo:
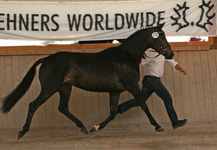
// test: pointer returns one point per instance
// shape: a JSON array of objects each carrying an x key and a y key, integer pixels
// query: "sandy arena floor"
[{"x": 197, "y": 136}]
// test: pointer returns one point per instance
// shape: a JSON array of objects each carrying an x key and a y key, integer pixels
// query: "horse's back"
[
  {"x": 89, "y": 71},
  {"x": 103, "y": 71}
]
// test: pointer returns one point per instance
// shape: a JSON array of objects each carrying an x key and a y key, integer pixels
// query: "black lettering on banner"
[
  {"x": 44, "y": 20},
  {"x": 98, "y": 19},
  {"x": 11, "y": 21},
  {"x": 85, "y": 20},
  {"x": 74, "y": 21},
  {"x": 24, "y": 22},
  {"x": 160, "y": 17},
  {"x": 107, "y": 23},
  {"x": 117, "y": 21},
  {"x": 132, "y": 19},
  {"x": 148, "y": 16},
  {"x": 34, "y": 22},
  {"x": 142, "y": 20},
  {"x": 57, "y": 25},
  {"x": 2, "y": 21}
]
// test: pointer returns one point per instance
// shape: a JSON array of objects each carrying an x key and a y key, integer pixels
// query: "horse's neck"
[{"x": 136, "y": 45}]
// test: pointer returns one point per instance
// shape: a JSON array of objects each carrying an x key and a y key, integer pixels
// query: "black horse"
[{"x": 112, "y": 70}]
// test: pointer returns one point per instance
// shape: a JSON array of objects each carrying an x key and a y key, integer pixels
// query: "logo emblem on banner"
[{"x": 181, "y": 20}]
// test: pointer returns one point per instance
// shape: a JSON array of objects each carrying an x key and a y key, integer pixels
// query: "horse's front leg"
[
  {"x": 114, "y": 97},
  {"x": 135, "y": 91}
]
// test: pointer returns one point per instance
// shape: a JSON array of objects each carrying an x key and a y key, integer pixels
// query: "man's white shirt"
[{"x": 155, "y": 65}]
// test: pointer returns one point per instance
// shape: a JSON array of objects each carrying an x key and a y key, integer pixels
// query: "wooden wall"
[{"x": 194, "y": 95}]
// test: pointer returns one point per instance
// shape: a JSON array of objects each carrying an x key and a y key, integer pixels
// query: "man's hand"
[
  {"x": 180, "y": 69},
  {"x": 183, "y": 71}
]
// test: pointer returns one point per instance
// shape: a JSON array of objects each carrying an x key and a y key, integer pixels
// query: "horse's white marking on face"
[
  {"x": 96, "y": 127},
  {"x": 155, "y": 35}
]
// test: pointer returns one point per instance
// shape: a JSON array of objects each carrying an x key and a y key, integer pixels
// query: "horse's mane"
[{"x": 141, "y": 29}]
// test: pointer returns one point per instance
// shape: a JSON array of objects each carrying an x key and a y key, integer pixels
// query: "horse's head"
[{"x": 158, "y": 42}]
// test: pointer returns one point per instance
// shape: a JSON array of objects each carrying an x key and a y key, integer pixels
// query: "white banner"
[{"x": 105, "y": 20}]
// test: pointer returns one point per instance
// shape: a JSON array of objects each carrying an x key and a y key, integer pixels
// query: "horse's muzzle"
[{"x": 169, "y": 54}]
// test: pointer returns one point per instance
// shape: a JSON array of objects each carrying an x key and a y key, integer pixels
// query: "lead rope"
[{"x": 146, "y": 56}]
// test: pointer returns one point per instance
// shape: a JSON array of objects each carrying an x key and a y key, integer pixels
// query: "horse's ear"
[{"x": 161, "y": 25}]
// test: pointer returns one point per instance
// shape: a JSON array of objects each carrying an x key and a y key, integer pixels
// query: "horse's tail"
[{"x": 11, "y": 99}]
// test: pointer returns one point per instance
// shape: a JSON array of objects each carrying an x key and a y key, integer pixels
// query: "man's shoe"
[{"x": 179, "y": 123}]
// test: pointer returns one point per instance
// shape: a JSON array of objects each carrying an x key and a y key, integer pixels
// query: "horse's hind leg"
[
  {"x": 135, "y": 91},
  {"x": 114, "y": 97},
  {"x": 63, "y": 106},
  {"x": 33, "y": 106}
]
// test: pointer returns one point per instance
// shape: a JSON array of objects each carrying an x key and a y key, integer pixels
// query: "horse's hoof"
[
  {"x": 20, "y": 135},
  {"x": 95, "y": 128},
  {"x": 84, "y": 130},
  {"x": 159, "y": 129}
]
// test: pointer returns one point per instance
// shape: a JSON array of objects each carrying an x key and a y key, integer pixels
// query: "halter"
[
  {"x": 161, "y": 52},
  {"x": 146, "y": 56}
]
